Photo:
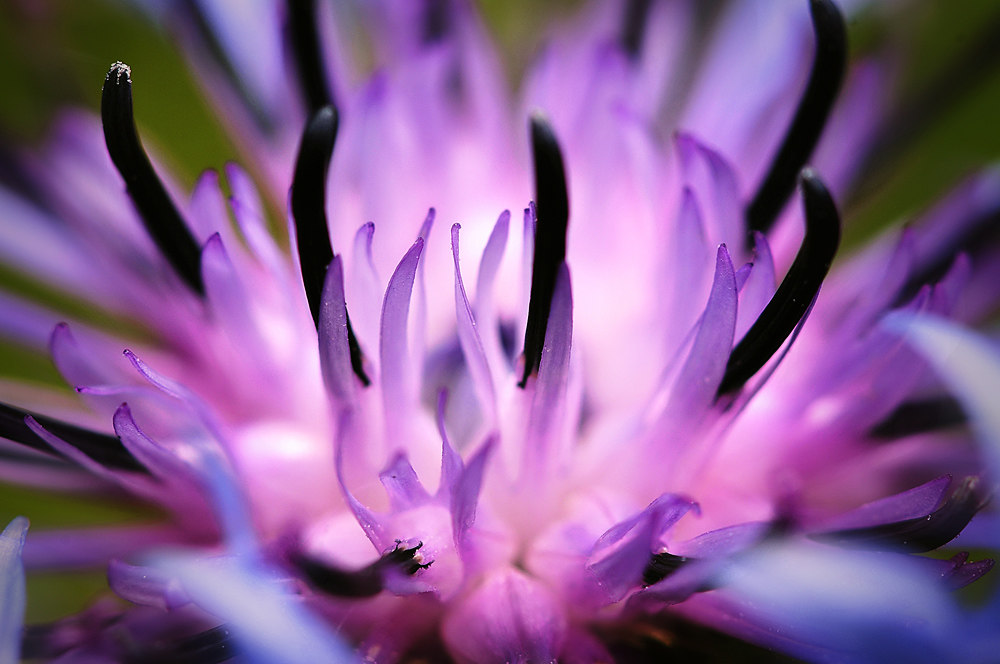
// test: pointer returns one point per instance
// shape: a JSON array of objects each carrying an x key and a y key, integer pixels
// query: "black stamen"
[
  {"x": 926, "y": 415},
  {"x": 552, "y": 205},
  {"x": 810, "y": 117},
  {"x": 308, "y": 56},
  {"x": 660, "y": 566},
  {"x": 634, "y": 26},
  {"x": 365, "y": 582},
  {"x": 159, "y": 215},
  {"x": 796, "y": 291},
  {"x": 915, "y": 535},
  {"x": 309, "y": 213},
  {"x": 105, "y": 449},
  {"x": 437, "y": 20}
]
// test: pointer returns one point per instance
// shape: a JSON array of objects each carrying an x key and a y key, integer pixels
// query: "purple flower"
[{"x": 642, "y": 412}]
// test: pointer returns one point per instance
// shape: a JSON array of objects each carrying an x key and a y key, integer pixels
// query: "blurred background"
[{"x": 55, "y": 53}]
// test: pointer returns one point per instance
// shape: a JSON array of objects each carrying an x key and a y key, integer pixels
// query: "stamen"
[
  {"x": 915, "y": 535},
  {"x": 634, "y": 26},
  {"x": 309, "y": 213},
  {"x": 552, "y": 203},
  {"x": 921, "y": 416},
  {"x": 105, "y": 449},
  {"x": 308, "y": 56},
  {"x": 796, "y": 291},
  {"x": 810, "y": 117},
  {"x": 437, "y": 20},
  {"x": 660, "y": 566},
  {"x": 159, "y": 215},
  {"x": 365, "y": 582}
]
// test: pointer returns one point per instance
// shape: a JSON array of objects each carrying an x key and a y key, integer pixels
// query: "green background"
[{"x": 57, "y": 53}]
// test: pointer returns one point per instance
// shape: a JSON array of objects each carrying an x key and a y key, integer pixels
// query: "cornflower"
[{"x": 605, "y": 429}]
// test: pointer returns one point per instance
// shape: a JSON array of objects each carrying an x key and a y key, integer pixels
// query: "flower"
[{"x": 629, "y": 427}]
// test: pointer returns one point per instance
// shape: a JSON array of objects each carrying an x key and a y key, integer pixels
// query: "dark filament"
[
  {"x": 914, "y": 535},
  {"x": 660, "y": 566},
  {"x": 159, "y": 215},
  {"x": 634, "y": 26},
  {"x": 810, "y": 117},
  {"x": 914, "y": 417},
  {"x": 552, "y": 205},
  {"x": 308, "y": 55},
  {"x": 212, "y": 646},
  {"x": 437, "y": 20},
  {"x": 365, "y": 582},
  {"x": 309, "y": 213},
  {"x": 796, "y": 291},
  {"x": 105, "y": 449}
]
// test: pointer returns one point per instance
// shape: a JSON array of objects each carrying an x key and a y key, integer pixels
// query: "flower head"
[{"x": 434, "y": 430}]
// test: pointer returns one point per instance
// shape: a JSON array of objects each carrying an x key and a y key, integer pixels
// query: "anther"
[
  {"x": 159, "y": 215},
  {"x": 660, "y": 566},
  {"x": 309, "y": 213},
  {"x": 797, "y": 290},
  {"x": 552, "y": 205},
  {"x": 810, "y": 117},
  {"x": 365, "y": 582}
]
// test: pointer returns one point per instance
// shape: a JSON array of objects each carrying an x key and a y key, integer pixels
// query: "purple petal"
[
  {"x": 472, "y": 345},
  {"x": 334, "y": 349},
  {"x": 146, "y": 586},
  {"x": 451, "y": 461},
  {"x": 699, "y": 378},
  {"x": 363, "y": 288},
  {"x": 913, "y": 504},
  {"x": 402, "y": 484},
  {"x": 509, "y": 618},
  {"x": 713, "y": 181},
  {"x": 759, "y": 287},
  {"x": 394, "y": 352},
  {"x": 623, "y": 552},
  {"x": 485, "y": 307},
  {"x": 12, "y": 590},
  {"x": 94, "y": 547},
  {"x": 549, "y": 401},
  {"x": 465, "y": 494}
]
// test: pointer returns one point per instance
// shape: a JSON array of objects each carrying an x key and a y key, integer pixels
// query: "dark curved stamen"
[
  {"x": 915, "y": 417},
  {"x": 552, "y": 206},
  {"x": 309, "y": 213},
  {"x": 304, "y": 38},
  {"x": 660, "y": 566},
  {"x": 797, "y": 290},
  {"x": 915, "y": 535},
  {"x": 810, "y": 117},
  {"x": 105, "y": 449},
  {"x": 159, "y": 215},
  {"x": 437, "y": 20},
  {"x": 365, "y": 582},
  {"x": 634, "y": 26}
]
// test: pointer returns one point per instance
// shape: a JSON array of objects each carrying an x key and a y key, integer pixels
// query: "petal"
[
  {"x": 472, "y": 345},
  {"x": 397, "y": 372},
  {"x": 509, "y": 619},
  {"x": 12, "y": 591},
  {"x": 334, "y": 349}
]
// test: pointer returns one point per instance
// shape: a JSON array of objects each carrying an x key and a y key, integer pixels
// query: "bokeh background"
[{"x": 945, "y": 123}]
